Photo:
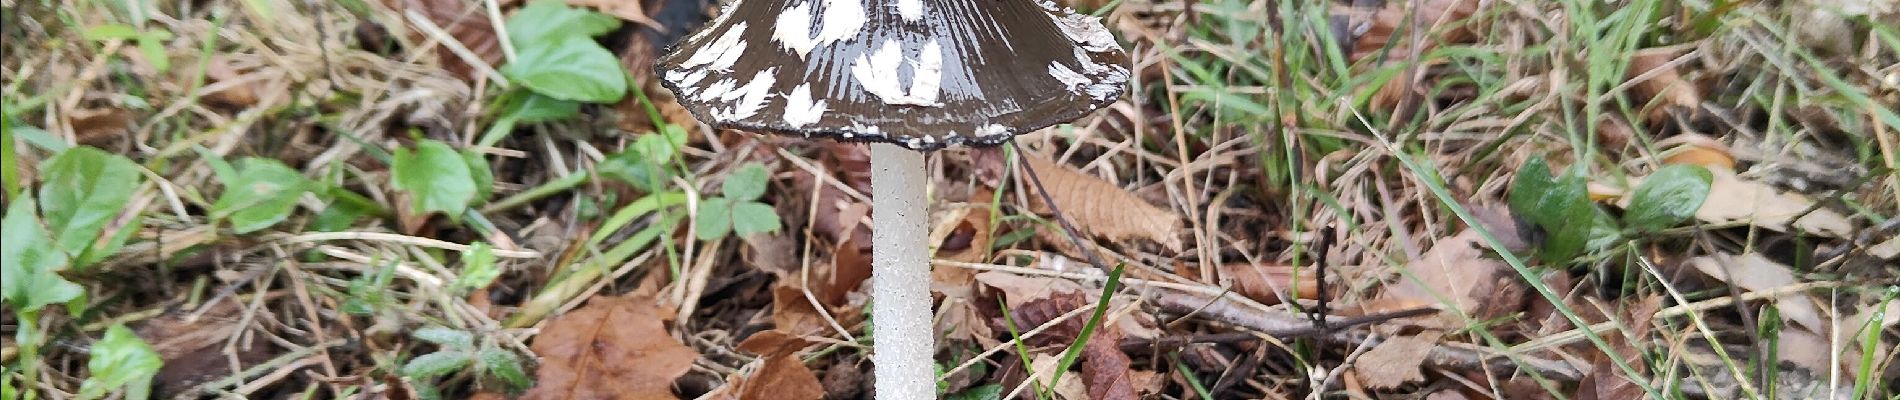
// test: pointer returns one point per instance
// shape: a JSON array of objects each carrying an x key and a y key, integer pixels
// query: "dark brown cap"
[{"x": 924, "y": 74}]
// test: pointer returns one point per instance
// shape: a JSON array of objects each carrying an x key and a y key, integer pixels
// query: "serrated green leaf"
[
  {"x": 263, "y": 193},
  {"x": 121, "y": 361},
  {"x": 569, "y": 68},
  {"x": 436, "y": 177},
  {"x": 436, "y": 364},
  {"x": 746, "y": 183},
  {"x": 544, "y": 21},
  {"x": 447, "y": 337},
  {"x": 478, "y": 267},
  {"x": 1668, "y": 197},
  {"x": 505, "y": 365},
  {"x": 714, "y": 219},
  {"x": 82, "y": 190},
  {"x": 750, "y": 217},
  {"x": 30, "y": 263}
]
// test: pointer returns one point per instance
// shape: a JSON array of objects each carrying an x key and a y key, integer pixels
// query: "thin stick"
[{"x": 900, "y": 277}]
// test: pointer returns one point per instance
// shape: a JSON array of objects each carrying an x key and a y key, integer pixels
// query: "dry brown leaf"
[
  {"x": 1661, "y": 85},
  {"x": 964, "y": 233},
  {"x": 1269, "y": 284},
  {"x": 1387, "y": 34},
  {"x": 1697, "y": 149},
  {"x": 1754, "y": 273},
  {"x": 1099, "y": 207},
  {"x": 843, "y": 380},
  {"x": 629, "y": 10},
  {"x": 1019, "y": 289},
  {"x": 1105, "y": 369},
  {"x": 1070, "y": 388},
  {"x": 792, "y": 312},
  {"x": 223, "y": 68},
  {"x": 100, "y": 126},
  {"x": 613, "y": 348},
  {"x": 1043, "y": 311},
  {"x": 1734, "y": 199},
  {"x": 1605, "y": 381},
  {"x": 1395, "y": 361},
  {"x": 1459, "y": 269},
  {"x": 467, "y": 25},
  {"x": 782, "y": 375},
  {"x": 193, "y": 348}
]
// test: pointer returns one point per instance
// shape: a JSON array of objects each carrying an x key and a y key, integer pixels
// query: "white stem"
[{"x": 900, "y": 276}]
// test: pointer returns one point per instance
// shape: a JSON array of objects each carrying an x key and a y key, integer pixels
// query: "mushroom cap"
[{"x": 924, "y": 74}]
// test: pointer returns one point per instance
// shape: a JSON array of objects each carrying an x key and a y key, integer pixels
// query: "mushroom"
[{"x": 910, "y": 76}]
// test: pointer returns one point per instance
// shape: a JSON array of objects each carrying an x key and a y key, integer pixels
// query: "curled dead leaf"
[
  {"x": 1106, "y": 370},
  {"x": 781, "y": 375},
  {"x": 1661, "y": 83},
  {"x": 1270, "y": 284},
  {"x": 1396, "y": 361},
  {"x": 1102, "y": 208},
  {"x": 1458, "y": 269},
  {"x": 612, "y": 348},
  {"x": 469, "y": 27}
]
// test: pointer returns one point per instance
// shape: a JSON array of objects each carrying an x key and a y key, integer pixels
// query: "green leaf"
[
  {"x": 121, "y": 360},
  {"x": 82, "y": 190},
  {"x": 634, "y": 168},
  {"x": 152, "y": 46},
  {"x": 436, "y": 177},
  {"x": 531, "y": 107},
  {"x": 447, "y": 337},
  {"x": 436, "y": 364},
  {"x": 545, "y": 21},
  {"x": 715, "y": 218},
  {"x": 29, "y": 262},
  {"x": 985, "y": 392},
  {"x": 569, "y": 68},
  {"x": 109, "y": 32},
  {"x": 1668, "y": 197},
  {"x": 1556, "y": 205},
  {"x": 263, "y": 193},
  {"x": 478, "y": 267},
  {"x": 505, "y": 365},
  {"x": 751, "y": 217},
  {"x": 747, "y": 183},
  {"x": 483, "y": 178}
]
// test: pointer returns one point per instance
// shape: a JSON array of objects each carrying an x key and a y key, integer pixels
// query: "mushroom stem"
[{"x": 905, "y": 347}]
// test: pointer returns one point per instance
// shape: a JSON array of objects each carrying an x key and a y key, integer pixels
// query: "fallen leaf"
[
  {"x": 612, "y": 348},
  {"x": 192, "y": 348},
  {"x": 843, "y": 380},
  {"x": 1661, "y": 85},
  {"x": 1046, "y": 310},
  {"x": 1102, "y": 208},
  {"x": 1697, "y": 149},
  {"x": 1459, "y": 269},
  {"x": 1105, "y": 369},
  {"x": 963, "y": 234},
  {"x": 1269, "y": 284},
  {"x": 630, "y": 10},
  {"x": 1388, "y": 35},
  {"x": 100, "y": 126},
  {"x": 1754, "y": 273},
  {"x": 781, "y": 375},
  {"x": 1605, "y": 381},
  {"x": 470, "y": 27},
  {"x": 1395, "y": 361},
  {"x": 1070, "y": 388},
  {"x": 1018, "y": 289},
  {"x": 224, "y": 70},
  {"x": 792, "y": 312},
  {"x": 1734, "y": 199}
]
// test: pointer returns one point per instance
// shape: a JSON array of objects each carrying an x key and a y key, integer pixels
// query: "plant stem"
[{"x": 900, "y": 276}]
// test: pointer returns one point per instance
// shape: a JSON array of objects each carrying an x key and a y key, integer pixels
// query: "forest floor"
[{"x": 1483, "y": 199}]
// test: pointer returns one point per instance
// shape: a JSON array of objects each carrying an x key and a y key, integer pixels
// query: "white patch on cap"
[
  {"x": 991, "y": 130},
  {"x": 749, "y": 98},
  {"x": 842, "y": 20},
  {"x": 912, "y": 10},
  {"x": 722, "y": 53},
  {"x": 717, "y": 90},
  {"x": 800, "y": 110},
  {"x": 1086, "y": 31},
  {"x": 793, "y": 29},
  {"x": 1074, "y": 80},
  {"x": 876, "y": 71}
]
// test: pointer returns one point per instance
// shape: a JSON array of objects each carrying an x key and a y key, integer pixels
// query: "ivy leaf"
[
  {"x": 262, "y": 193},
  {"x": 569, "y": 68},
  {"x": 1668, "y": 197},
  {"x": 447, "y": 337},
  {"x": 747, "y": 183},
  {"x": 82, "y": 190},
  {"x": 715, "y": 218},
  {"x": 30, "y": 263},
  {"x": 436, "y": 177},
  {"x": 121, "y": 360},
  {"x": 436, "y": 364},
  {"x": 542, "y": 20},
  {"x": 750, "y": 217}
]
